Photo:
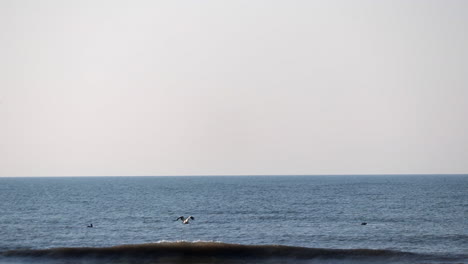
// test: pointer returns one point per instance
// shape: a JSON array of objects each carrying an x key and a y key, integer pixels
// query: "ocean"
[{"x": 237, "y": 219}]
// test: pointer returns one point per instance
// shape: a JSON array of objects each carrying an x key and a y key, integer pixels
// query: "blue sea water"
[{"x": 422, "y": 214}]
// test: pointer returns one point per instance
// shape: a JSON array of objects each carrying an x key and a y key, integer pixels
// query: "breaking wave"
[{"x": 212, "y": 252}]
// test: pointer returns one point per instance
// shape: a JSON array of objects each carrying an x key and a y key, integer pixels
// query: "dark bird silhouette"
[{"x": 185, "y": 220}]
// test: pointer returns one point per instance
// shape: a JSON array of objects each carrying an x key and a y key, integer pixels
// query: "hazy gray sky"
[{"x": 209, "y": 87}]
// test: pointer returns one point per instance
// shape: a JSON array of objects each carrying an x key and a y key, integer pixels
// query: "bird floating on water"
[
  {"x": 185, "y": 220},
  {"x": 91, "y": 225}
]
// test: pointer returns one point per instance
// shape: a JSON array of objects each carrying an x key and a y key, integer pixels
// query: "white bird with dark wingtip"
[{"x": 185, "y": 220}]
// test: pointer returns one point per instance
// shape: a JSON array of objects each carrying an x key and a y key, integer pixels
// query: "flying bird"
[{"x": 185, "y": 220}]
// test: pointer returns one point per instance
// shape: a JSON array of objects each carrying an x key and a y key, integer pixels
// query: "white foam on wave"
[{"x": 187, "y": 241}]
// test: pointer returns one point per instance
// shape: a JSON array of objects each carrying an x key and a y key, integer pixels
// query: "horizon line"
[{"x": 244, "y": 175}]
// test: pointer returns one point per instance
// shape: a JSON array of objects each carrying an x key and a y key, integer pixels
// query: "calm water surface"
[{"x": 422, "y": 214}]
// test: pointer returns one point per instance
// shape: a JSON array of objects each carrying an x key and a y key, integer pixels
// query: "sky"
[{"x": 209, "y": 87}]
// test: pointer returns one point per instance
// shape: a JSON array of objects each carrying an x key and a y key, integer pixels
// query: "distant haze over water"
[{"x": 105, "y": 87}]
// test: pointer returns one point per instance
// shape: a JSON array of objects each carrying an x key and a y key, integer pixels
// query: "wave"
[{"x": 212, "y": 252}]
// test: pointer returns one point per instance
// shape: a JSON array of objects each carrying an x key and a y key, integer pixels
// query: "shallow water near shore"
[
  {"x": 419, "y": 219},
  {"x": 214, "y": 252}
]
